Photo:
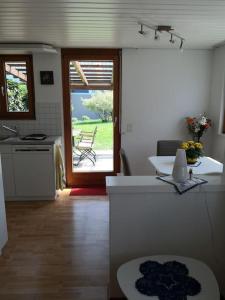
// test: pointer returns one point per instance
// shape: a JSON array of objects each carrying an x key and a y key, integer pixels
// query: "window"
[{"x": 16, "y": 87}]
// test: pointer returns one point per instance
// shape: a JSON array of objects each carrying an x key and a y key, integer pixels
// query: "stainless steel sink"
[{"x": 3, "y": 138}]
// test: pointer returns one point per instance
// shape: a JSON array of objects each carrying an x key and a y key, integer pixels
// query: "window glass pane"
[{"x": 16, "y": 84}]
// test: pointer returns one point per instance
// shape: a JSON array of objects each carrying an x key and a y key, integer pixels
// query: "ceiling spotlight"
[
  {"x": 141, "y": 31},
  {"x": 156, "y": 36},
  {"x": 172, "y": 40},
  {"x": 181, "y": 45}
]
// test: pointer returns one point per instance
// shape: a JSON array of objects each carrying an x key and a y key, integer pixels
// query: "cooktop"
[{"x": 34, "y": 137}]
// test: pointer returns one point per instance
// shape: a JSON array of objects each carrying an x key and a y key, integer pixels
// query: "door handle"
[
  {"x": 3, "y": 90},
  {"x": 115, "y": 121}
]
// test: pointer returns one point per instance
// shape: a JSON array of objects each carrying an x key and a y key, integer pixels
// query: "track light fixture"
[
  {"x": 163, "y": 28},
  {"x": 156, "y": 38}
]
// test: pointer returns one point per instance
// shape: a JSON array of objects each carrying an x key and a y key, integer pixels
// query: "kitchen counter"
[{"x": 50, "y": 140}]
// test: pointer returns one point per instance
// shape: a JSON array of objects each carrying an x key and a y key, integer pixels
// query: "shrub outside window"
[{"x": 17, "y": 88}]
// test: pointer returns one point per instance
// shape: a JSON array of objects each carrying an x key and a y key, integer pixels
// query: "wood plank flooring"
[{"x": 56, "y": 250}]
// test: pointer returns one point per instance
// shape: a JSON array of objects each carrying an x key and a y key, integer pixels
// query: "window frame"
[{"x": 4, "y": 114}]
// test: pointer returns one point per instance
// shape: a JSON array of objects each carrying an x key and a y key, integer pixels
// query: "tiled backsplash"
[{"x": 48, "y": 121}]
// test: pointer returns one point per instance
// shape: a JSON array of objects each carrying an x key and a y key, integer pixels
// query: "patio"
[{"x": 104, "y": 162}]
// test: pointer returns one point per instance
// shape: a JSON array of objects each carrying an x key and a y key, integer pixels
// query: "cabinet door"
[
  {"x": 3, "y": 226},
  {"x": 34, "y": 172},
  {"x": 8, "y": 175}
]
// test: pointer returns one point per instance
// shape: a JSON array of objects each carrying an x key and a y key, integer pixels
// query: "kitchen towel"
[{"x": 59, "y": 168}]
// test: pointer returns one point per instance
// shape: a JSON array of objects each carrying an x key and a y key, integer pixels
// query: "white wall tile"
[{"x": 48, "y": 121}]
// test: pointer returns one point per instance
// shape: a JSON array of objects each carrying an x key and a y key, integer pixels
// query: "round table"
[{"x": 129, "y": 272}]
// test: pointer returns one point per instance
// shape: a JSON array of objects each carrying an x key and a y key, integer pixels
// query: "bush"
[
  {"x": 17, "y": 96},
  {"x": 85, "y": 118},
  {"x": 101, "y": 103}
]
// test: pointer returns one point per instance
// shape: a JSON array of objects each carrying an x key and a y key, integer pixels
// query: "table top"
[
  {"x": 129, "y": 272},
  {"x": 205, "y": 165}
]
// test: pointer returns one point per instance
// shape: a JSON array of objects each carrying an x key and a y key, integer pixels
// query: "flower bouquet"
[
  {"x": 198, "y": 125},
  {"x": 193, "y": 151}
]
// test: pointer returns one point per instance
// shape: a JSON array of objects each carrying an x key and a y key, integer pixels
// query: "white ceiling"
[{"x": 111, "y": 23}]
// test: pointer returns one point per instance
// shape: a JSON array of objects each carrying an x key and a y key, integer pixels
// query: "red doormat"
[{"x": 96, "y": 191}]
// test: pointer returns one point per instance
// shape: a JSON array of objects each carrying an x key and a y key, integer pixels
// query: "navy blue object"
[{"x": 168, "y": 281}]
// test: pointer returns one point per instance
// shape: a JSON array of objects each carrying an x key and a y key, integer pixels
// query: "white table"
[
  {"x": 129, "y": 272},
  {"x": 208, "y": 165}
]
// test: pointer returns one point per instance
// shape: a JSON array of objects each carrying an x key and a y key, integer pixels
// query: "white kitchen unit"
[
  {"x": 148, "y": 217},
  {"x": 29, "y": 169},
  {"x": 3, "y": 225},
  {"x": 34, "y": 170},
  {"x": 8, "y": 173}
]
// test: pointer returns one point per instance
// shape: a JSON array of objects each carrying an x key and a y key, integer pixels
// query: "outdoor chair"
[
  {"x": 85, "y": 144},
  {"x": 168, "y": 147}
]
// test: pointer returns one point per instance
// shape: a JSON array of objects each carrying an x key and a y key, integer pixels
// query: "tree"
[
  {"x": 101, "y": 103},
  {"x": 17, "y": 96}
]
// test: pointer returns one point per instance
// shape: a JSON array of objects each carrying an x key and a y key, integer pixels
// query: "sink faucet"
[{"x": 14, "y": 130}]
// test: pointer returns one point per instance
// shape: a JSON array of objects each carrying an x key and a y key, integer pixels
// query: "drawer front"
[
  {"x": 32, "y": 149},
  {"x": 34, "y": 172}
]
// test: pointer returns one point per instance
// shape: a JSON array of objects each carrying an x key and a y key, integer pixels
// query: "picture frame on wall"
[{"x": 46, "y": 77}]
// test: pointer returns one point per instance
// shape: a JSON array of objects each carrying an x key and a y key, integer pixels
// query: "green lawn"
[{"x": 104, "y": 136}]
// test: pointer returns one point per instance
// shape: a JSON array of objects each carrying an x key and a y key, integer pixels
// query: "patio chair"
[
  {"x": 168, "y": 147},
  {"x": 85, "y": 146}
]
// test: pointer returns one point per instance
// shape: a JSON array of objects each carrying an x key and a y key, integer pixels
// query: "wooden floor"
[{"x": 56, "y": 250}]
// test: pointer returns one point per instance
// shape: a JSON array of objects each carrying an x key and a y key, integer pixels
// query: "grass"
[{"x": 104, "y": 135}]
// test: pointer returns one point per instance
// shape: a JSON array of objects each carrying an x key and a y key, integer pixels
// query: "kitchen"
[
  {"x": 58, "y": 244},
  {"x": 28, "y": 166}
]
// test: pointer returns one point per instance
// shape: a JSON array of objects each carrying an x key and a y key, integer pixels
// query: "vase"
[{"x": 180, "y": 172}]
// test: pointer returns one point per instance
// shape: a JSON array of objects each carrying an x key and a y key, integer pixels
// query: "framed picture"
[{"x": 46, "y": 77}]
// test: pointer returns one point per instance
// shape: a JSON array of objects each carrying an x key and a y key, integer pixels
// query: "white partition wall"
[{"x": 147, "y": 217}]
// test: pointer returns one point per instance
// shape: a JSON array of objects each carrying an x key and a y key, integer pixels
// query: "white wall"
[
  {"x": 159, "y": 89},
  {"x": 48, "y": 62},
  {"x": 217, "y": 103}
]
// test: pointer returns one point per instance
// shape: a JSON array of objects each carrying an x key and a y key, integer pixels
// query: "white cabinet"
[
  {"x": 28, "y": 172},
  {"x": 34, "y": 171},
  {"x": 8, "y": 175},
  {"x": 3, "y": 226},
  {"x": 8, "y": 171}
]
